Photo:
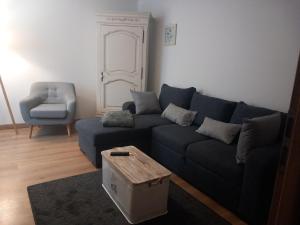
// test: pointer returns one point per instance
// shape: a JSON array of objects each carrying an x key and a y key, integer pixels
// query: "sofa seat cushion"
[
  {"x": 49, "y": 111},
  {"x": 98, "y": 135},
  {"x": 150, "y": 120},
  {"x": 218, "y": 158},
  {"x": 176, "y": 137}
]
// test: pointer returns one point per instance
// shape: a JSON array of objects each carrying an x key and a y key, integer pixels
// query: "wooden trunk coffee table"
[{"x": 137, "y": 184}]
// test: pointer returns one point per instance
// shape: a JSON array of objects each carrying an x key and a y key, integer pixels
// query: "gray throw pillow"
[
  {"x": 145, "y": 102},
  {"x": 257, "y": 132},
  {"x": 118, "y": 119},
  {"x": 225, "y": 132},
  {"x": 179, "y": 115}
]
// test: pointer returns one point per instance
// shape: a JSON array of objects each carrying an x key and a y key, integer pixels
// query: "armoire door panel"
[
  {"x": 121, "y": 62},
  {"x": 122, "y": 58},
  {"x": 116, "y": 92},
  {"x": 121, "y": 41}
]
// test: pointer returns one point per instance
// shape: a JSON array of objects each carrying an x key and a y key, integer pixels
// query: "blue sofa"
[{"x": 206, "y": 163}]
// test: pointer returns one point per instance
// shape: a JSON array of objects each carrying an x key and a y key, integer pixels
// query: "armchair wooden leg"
[
  {"x": 69, "y": 129},
  {"x": 30, "y": 131}
]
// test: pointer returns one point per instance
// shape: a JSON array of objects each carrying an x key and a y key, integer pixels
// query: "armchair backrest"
[{"x": 53, "y": 92}]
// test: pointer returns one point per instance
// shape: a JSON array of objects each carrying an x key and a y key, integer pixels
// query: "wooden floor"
[{"x": 50, "y": 155}]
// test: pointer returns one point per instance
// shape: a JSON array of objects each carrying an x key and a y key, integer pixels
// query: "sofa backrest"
[
  {"x": 245, "y": 111},
  {"x": 178, "y": 96},
  {"x": 214, "y": 108}
]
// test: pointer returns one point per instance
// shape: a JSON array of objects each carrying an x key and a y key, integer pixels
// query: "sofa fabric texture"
[
  {"x": 99, "y": 135},
  {"x": 178, "y": 96},
  {"x": 145, "y": 102},
  {"x": 258, "y": 182},
  {"x": 207, "y": 163},
  {"x": 215, "y": 108},
  {"x": 218, "y": 158},
  {"x": 176, "y": 137},
  {"x": 181, "y": 116},
  {"x": 212, "y": 184},
  {"x": 94, "y": 138},
  {"x": 257, "y": 132},
  {"x": 245, "y": 111},
  {"x": 225, "y": 132}
]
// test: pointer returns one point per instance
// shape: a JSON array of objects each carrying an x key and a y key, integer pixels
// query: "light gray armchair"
[{"x": 49, "y": 103}]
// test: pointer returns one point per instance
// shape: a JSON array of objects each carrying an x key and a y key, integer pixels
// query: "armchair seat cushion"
[
  {"x": 49, "y": 111},
  {"x": 218, "y": 158}
]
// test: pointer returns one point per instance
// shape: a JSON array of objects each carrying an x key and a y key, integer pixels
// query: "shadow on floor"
[{"x": 57, "y": 130}]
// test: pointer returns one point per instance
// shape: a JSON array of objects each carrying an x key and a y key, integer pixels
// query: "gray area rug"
[{"x": 81, "y": 200}]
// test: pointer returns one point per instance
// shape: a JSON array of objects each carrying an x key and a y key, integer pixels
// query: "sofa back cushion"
[
  {"x": 178, "y": 96},
  {"x": 215, "y": 108},
  {"x": 245, "y": 111}
]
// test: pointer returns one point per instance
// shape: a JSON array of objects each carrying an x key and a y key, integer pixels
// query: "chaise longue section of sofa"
[{"x": 94, "y": 138}]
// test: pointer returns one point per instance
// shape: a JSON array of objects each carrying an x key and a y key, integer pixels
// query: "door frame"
[{"x": 286, "y": 198}]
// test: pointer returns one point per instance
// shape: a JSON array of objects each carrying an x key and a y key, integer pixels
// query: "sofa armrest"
[
  {"x": 258, "y": 183},
  {"x": 27, "y": 104},
  {"x": 129, "y": 106}
]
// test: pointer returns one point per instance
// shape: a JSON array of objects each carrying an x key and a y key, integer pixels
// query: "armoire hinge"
[
  {"x": 142, "y": 73},
  {"x": 143, "y": 40}
]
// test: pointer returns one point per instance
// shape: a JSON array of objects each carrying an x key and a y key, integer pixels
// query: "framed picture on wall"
[{"x": 170, "y": 34}]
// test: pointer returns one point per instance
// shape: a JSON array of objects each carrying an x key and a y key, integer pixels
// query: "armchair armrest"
[
  {"x": 71, "y": 108},
  {"x": 129, "y": 106},
  {"x": 258, "y": 183},
  {"x": 27, "y": 104},
  {"x": 70, "y": 101}
]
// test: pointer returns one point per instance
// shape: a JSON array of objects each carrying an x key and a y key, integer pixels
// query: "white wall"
[
  {"x": 51, "y": 40},
  {"x": 234, "y": 49}
]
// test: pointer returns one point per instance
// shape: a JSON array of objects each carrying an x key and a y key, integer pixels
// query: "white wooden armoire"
[{"x": 122, "y": 57}]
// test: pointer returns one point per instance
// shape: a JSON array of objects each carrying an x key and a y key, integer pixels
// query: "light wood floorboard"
[{"x": 50, "y": 155}]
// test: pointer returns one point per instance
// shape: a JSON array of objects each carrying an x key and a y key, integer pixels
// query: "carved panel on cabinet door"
[
  {"x": 121, "y": 52},
  {"x": 117, "y": 92}
]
